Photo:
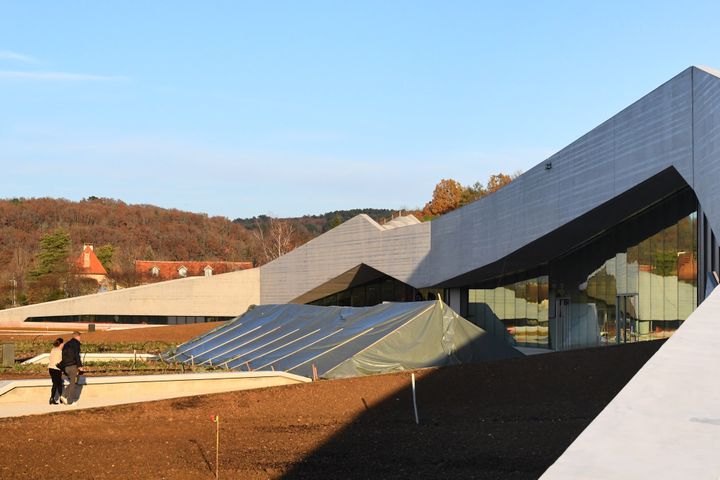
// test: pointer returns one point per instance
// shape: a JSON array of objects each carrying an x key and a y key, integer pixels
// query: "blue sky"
[{"x": 245, "y": 108}]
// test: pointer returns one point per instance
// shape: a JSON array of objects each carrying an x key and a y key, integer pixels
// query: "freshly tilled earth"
[{"x": 506, "y": 419}]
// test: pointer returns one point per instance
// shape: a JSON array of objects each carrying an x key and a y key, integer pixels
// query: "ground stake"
[
  {"x": 417, "y": 419},
  {"x": 216, "y": 419}
]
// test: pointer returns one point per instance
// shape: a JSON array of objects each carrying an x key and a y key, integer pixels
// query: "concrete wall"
[
  {"x": 397, "y": 252},
  {"x": 706, "y": 134},
  {"x": 225, "y": 295},
  {"x": 676, "y": 125},
  {"x": 28, "y": 397}
]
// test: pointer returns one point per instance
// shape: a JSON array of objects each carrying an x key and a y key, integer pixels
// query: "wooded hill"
[{"x": 134, "y": 232}]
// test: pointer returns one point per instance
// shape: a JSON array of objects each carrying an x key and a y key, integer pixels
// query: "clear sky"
[{"x": 244, "y": 108}]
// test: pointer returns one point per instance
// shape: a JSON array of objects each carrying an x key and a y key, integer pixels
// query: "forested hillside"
[
  {"x": 123, "y": 233},
  {"x": 41, "y": 238}
]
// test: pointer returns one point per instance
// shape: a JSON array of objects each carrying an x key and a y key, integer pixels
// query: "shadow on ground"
[{"x": 508, "y": 419}]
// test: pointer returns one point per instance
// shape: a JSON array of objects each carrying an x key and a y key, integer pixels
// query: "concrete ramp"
[
  {"x": 30, "y": 397},
  {"x": 665, "y": 423}
]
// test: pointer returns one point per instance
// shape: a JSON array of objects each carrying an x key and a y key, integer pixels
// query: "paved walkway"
[
  {"x": 30, "y": 397},
  {"x": 26, "y": 408},
  {"x": 665, "y": 423}
]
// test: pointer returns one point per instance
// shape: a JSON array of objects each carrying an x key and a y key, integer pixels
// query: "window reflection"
[
  {"x": 635, "y": 282},
  {"x": 517, "y": 312}
]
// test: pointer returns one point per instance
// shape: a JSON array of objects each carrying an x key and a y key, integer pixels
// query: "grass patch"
[{"x": 25, "y": 349}]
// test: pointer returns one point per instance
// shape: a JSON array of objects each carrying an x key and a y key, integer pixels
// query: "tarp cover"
[{"x": 344, "y": 341}]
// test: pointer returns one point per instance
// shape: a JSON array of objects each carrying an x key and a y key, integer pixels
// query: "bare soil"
[{"x": 506, "y": 419}]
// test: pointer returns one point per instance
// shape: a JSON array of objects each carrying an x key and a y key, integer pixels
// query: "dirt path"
[{"x": 508, "y": 419}]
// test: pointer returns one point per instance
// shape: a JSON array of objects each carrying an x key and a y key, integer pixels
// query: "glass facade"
[
  {"x": 517, "y": 312},
  {"x": 636, "y": 281}
]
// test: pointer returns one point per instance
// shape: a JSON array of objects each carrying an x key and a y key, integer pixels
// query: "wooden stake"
[
  {"x": 417, "y": 419},
  {"x": 217, "y": 447}
]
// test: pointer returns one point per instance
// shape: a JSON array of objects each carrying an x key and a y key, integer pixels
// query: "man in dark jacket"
[{"x": 72, "y": 363}]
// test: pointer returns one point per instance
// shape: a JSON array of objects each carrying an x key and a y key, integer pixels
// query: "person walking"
[
  {"x": 72, "y": 364},
  {"x": 55, "y": 371}
]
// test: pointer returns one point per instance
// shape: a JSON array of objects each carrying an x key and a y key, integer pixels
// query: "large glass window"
[
  {"x": 636, "y": 281},
  {"x": 641, "y": 278},
  {"x": 517, "y": 312}
]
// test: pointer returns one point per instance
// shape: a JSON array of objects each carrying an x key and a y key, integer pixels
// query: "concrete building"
[{"x": 612, "y": 239}]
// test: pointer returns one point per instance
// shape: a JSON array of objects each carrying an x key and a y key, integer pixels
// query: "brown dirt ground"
[
  {"x": 169, "y": 333},
  {"x": 506, "y": 419}
]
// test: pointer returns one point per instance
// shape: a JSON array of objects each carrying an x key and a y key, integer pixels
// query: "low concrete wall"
[
  {"x": 224, "y": 295},
  {"x": 23, "y": 397}
]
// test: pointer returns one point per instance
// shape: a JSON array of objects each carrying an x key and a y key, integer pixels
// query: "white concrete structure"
[
  {"x": 30, "y": 397},
  {"x": 665, "y": 423},
  {"x": 225, "y": 295}
]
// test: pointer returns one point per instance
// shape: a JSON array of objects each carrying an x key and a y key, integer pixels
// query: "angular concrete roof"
[{"x": 675, "y": 128}]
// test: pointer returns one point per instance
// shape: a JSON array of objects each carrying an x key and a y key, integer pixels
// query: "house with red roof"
[{"x": 89, "y": 266}]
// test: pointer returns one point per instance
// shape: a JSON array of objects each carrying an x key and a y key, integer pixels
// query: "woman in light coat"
[{"x": 55, "y": 371}]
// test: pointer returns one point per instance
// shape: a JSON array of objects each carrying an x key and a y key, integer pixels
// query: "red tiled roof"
[
  {"x": 168, "y": 270},
  {"x": 88, "y": 263}
]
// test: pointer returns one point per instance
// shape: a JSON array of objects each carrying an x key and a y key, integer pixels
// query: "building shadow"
[{"x": 503, "y": 419}]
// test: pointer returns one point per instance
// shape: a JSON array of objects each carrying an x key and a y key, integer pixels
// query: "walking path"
[
  {"x": 30, "y": 397},
  {"x": 665, "y": 423}
]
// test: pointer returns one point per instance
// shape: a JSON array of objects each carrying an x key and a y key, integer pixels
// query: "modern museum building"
[{"x": 610, "y": 240}]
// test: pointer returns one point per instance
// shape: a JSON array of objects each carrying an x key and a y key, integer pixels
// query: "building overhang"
[{"x": 529, "y": 260}]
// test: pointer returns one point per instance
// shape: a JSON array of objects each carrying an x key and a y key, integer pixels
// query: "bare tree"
[
  {"x": 20, "y": 263},
  {"x": 276, "y": 237}
]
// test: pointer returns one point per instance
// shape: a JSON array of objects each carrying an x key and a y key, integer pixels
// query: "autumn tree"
[
  {"x": 446, "y": 197},
  {"x": 472, "y": 193},
  {"x": 449, "y": 194},
  {"x": 497, "y": 181}
]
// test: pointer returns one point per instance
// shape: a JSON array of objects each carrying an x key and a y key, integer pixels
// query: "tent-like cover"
[{"x": 344, "y": 341}]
